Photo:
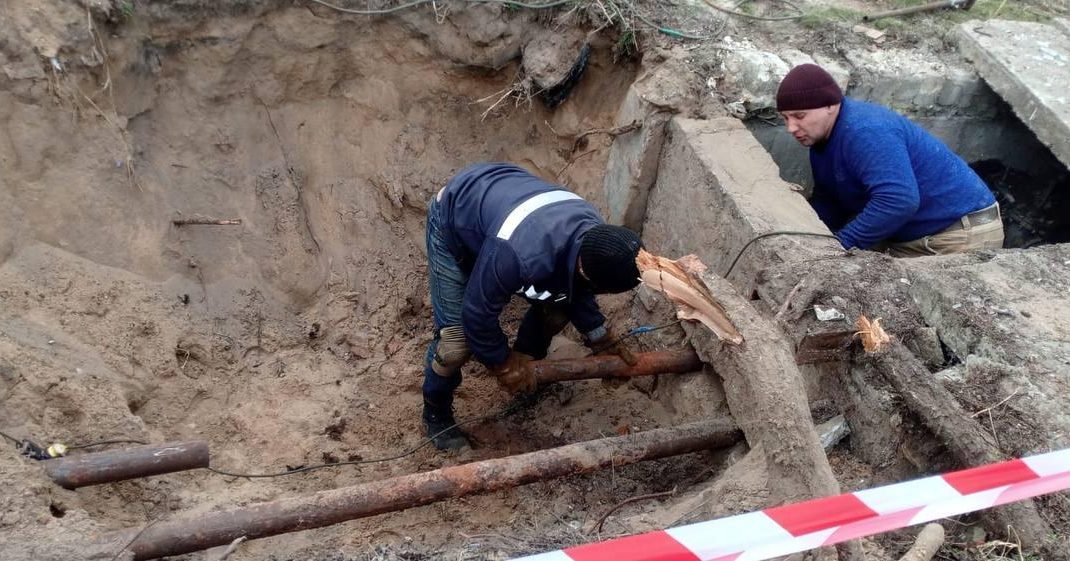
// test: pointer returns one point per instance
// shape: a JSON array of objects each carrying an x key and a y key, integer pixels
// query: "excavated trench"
[{"x": 296, "y": 336}]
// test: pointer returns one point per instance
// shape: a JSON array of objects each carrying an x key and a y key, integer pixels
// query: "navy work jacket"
[{"x": 515, "y": 234}]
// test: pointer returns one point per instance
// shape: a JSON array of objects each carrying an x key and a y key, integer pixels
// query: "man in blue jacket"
[
  {"x": 880, "y": 181},
  {"x": 496, "y": 230}
]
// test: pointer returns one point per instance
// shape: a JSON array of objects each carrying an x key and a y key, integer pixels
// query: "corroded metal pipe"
[
  {"x": 592, "y": 367},
  {"x": 210, "y": 529},
  {"x": 129, "y": 463}
]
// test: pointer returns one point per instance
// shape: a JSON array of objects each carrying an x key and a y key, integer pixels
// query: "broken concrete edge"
[
  {"x": 1010, "y": 343},
  {"x": 632, "y": 167},
  {"x": 752, "y": 76},
  {"x": 1050, "y": 127}
]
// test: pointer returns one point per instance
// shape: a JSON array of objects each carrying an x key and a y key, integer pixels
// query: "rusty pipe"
[
  {"x": 129, "y": 463},
  {"x": 931, "y": 6},
  {"x": 592, "y": 367},
  {"x": 210, "y": 529}
]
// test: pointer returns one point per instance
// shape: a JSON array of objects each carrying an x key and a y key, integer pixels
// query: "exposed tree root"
[
  {"x": 964, "y": 437},
  {"x": 766, "y": 394}
]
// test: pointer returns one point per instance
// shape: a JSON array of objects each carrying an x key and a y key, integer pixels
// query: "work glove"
[
  {"x": 612, "y": 343},
  {"x": 515, "y": 374}
]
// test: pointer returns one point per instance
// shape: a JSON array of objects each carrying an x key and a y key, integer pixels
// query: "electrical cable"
[
  {"x": 414, "y": 3},
  {"x": 632, "y": 333},
  {"x": 770, "y": 234},
  {"x": 103, "y": 442},
  {"x": 673, "y": 32}
]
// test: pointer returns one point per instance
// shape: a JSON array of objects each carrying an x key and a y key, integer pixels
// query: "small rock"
[
  {"x": 827, "y": 314},
  {"x": 736, "y": 109},
  {"x": 647, "y": 297},
  {"x": 975, "y": 536},
  {"x": 833, "y": 431},
  {"x": 1026, "y": 314}
]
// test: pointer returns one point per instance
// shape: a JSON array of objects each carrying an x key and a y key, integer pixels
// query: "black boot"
[{"x": 441, "y": 429}]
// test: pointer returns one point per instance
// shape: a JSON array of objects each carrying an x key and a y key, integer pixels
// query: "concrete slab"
[
  {"x": 1063, "y": 24},
  {"x": 1028, "y": 64},
  {"x": 918, "y": 85}
]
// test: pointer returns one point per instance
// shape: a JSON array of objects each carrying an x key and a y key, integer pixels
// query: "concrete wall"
[{"x": 633, "y": 161}]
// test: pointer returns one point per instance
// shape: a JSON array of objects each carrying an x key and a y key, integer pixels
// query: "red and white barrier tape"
[{"x": 801, "y": 526}]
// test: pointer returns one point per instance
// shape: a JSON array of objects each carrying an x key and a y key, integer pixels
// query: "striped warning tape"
[{"x": 798, "y": 527}]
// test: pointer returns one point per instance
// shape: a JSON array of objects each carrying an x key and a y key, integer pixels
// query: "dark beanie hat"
[
  {"x": 607, "y": 254},
  {"x": 807, "y": 86}
]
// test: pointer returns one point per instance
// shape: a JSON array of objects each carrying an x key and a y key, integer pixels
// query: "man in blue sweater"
[
  {"x": 880, "y": 181},
  {"x": 496, "y": 230}
]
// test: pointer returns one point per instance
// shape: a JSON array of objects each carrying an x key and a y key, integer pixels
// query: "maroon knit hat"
[{"x": 807, "y": 86}]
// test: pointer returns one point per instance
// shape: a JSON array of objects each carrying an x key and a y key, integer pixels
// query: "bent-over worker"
[{"x": 496, "y": 230}]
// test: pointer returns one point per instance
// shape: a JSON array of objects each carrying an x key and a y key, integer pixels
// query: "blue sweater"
[
  {"x": 880, "y": 176},
  {"x": 515, "y": 234}
]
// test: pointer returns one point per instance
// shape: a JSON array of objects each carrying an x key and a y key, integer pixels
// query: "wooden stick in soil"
[{"x": 210, "y": 529}]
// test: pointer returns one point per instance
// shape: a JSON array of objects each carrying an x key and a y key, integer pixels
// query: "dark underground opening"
[{"x": 1036, "y": 206}]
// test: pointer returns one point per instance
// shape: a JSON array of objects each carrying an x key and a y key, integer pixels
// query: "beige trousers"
[{"x": 957, "y": 238}]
